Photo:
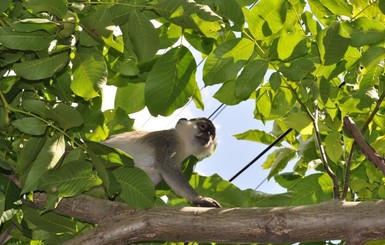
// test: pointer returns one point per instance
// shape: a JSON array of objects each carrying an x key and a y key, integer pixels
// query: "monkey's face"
[{"x": 200, "y": 133}]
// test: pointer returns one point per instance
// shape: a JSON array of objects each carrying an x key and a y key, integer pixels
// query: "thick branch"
[
  {"x": 330, "y": 221},
  {"x": 82, "y": 207},
  {"x": 365, "y": 148}
]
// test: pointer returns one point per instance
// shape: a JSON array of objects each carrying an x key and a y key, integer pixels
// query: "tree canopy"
[{"x": 307, "y": 65}]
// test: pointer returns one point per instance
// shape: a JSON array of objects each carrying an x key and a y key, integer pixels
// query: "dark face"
[{"x": 206, "y": 129}]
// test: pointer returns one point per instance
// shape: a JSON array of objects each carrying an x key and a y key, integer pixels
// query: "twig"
[
  {"x": 364, "y": 146},
  {"x": 329, "y": 171}
]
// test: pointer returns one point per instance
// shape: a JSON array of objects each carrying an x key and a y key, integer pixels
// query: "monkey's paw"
[{"x": 206, "y": 202}]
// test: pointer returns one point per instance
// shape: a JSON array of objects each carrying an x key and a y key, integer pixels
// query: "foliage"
[{"x": 306, "y": 64}]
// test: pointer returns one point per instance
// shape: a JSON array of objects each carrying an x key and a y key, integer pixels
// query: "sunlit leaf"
[
  {"x": 189, "y": 14},
  {"x": 333, "y": 43},
  {"x": 300, "y": 122},
  {"x": 47, "y": 158},
  {"x": 130, "y": 97},
  {"x": 250, "y": 78},
  {"x": 278, "y": 160},
  {"x": 267, "y": 17},
  {"x": 225, "y": 62},
  {"x": 256, "y": 135},
  {"x": 333, "y": 146},
  {"x": 338, "y": 7},
  {"x": 312, "y": 189},
  {"x": 89, "y": 74}
]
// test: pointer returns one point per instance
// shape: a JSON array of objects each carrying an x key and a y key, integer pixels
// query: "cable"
[
  {"x": 261, "y": 154},
  {"x": 216, "y": 111}
]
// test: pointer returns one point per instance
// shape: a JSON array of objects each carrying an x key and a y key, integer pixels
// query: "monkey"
[{"x": 161, "y": 153}]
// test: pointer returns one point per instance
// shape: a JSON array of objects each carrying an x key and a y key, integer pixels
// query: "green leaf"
[
  {"x": 227, "y": 194},
  {"x": 66, "y": 116},
  {"x": 257, "y": 136},
  {"x": 263, "y": 104},
  {"x": 28, "y": 154},
  {"x": 226, "y": 94},
  {"x": 143, "y": 35},
  {"x": 171, "y": 82},
  {"x": 297, "y": 69},
  {"x": 373, "y": 56},
  {"x": 109, "y": 181},
  {"x": 287, "y": 180},
  {"x": 275, "y": 80},
  {"x": 55, "y": 7},
  {"x": 227, "y": 59},
  {"x": 47, "y": 158},
  {"x": 300, "y": 122},
  {"x": 333, "y": 146},
  {"x": 118, "y": 121},
  {"x": 278, "y": 160},
  {"x": 41, "y": 68},
  {"x": 35, "y": 41},
  {"x": 292, "y": 45},
  {"x": 338, "y": 7},
  {"x": 231, "y": 10},
  {"x": 333, "y": 43},
  {"x": 250, "y": 78},
  {"x": 37, "y": 107},
  {"x": 50, "y": 221},
  {"x": 381, "y": 5},
  {"x": 30, "y": 125},
  {"x": 130, "y": 97},
  {"x": 312, "y": 189},
  {"x": 137, "y": 188},
  {"x": 365, "y": 31},
  {"x": 71, "y": 179},
  {"x": 191, "y": 15},
  {"x": 267, "y": 17},
  {"x": 89, "y": 73},
  {"x": 4, "y": 5}
]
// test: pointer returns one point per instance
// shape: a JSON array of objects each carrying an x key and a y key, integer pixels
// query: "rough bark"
[{"x": 353, "y": 221}]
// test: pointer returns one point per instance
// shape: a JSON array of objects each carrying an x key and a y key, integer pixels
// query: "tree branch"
[
  {"x": 350, "y": 158},
  {"x": 365, "y": 148},
  {"x": 358, "y": 221}
]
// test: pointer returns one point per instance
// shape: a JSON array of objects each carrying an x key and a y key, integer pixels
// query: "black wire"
[
  {"x": 261, "y": 154},
  {"x": 219, "y": 107}
]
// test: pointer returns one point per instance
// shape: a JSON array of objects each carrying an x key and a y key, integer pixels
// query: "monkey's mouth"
[{"x": 203, "y": 138}]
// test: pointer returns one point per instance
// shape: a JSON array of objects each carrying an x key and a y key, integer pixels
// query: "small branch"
[
  {"x": 329, "y": 171},
  {"x": 364, "y": 146}
]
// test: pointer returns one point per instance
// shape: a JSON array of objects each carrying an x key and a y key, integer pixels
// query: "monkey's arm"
[{"x": 179, "y": 184}]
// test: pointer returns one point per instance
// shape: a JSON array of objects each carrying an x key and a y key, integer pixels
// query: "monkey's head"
[{"x": 198, "y": 134}]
